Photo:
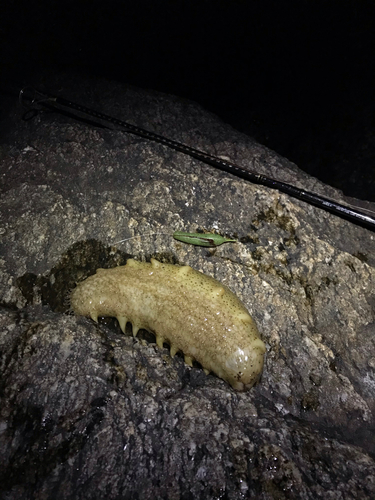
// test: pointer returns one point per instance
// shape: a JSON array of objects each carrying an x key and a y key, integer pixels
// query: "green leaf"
[{"x": 201, "y": 239}]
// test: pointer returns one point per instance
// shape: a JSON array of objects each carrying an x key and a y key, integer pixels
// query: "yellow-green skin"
[{"x": 192, "y": 312}]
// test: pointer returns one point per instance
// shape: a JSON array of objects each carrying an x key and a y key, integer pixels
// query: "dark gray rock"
[{"x": 87, "y": 412}]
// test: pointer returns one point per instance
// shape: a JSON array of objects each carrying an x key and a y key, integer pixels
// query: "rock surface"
[{"x": 89, "y": 413}]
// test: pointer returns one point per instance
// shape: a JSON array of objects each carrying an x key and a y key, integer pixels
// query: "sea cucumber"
[{"x": 192, "y": 312}]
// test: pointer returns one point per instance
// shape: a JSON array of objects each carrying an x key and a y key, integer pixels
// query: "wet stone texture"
[{"x": 87, "y": 412}]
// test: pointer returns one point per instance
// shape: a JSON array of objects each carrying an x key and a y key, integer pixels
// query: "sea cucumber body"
[{"x": 192, "y": 312}]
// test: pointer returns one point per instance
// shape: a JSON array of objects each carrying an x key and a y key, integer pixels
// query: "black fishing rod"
[{"x": 37, "y": 101}]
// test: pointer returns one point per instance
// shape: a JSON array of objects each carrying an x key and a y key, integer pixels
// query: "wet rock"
[{"x": 88, "y": 412}]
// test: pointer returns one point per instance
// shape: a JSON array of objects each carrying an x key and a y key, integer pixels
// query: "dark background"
[{"x": 297, "y": 76}]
